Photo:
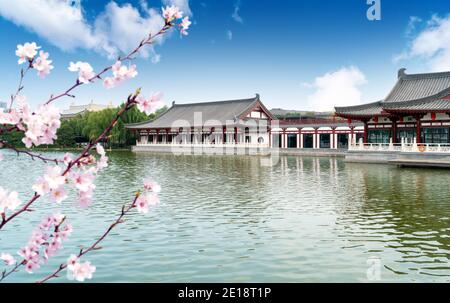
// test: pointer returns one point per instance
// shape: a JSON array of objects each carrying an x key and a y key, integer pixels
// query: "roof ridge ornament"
[{"x": 401, "y": 72}]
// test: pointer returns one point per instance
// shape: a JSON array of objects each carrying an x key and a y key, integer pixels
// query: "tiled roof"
[
  {"x": 197, "y": 114},
  {"x": 364, "y": 110},
  {"x": 417, "y": 92},
  {"x": 418, "y": 86}
]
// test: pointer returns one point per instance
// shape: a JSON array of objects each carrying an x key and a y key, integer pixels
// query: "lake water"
[{"x": 228, "y": 218}]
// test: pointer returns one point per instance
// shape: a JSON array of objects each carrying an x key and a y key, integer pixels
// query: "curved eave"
[{"x": 416, "y": 111}]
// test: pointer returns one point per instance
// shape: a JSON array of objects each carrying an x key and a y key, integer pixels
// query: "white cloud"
[
  {"x": 413, "y": 21},
  {"x": 183, "y": 5},
  {"x": 236, "y": 17},
  {"x": 431, "y": 44},
  {"x": 230, "y": 35},
  {"x": 55, "y": 20},
  {"x": 337, "y": 88},
  {"x": 116, "y": 30},
  {"x": 120, "y": 28}
]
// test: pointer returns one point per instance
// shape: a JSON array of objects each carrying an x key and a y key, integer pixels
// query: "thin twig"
[
  {"x": 148, "y": 41},
  {"x": 32, "y": 155},
  {"x": 5, "y": 273},
  {"x": 94, "y": 246},
  {"x": 20, "y": 86}
]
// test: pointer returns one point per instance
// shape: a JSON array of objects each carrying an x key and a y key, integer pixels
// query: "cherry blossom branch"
[
  {"x": 147, "y": 41},
  {"x": 20, "y": 86},
  {"x": 5, "y": 273},
  {"x": 94, "y": 246},
  {"x": 27, "y": 253},
  {"x": 129, "y": 104},
  {"x": 32, "y": 155}
]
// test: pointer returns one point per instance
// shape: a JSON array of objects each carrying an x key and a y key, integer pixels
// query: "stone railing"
[
  {"x": 206, "y": 145},
  {"x": 401, "y": 147}
]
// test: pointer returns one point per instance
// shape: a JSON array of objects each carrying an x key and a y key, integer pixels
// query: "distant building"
[
  {"x": 3, "y": 105},
  {"x": 75, "y": 110},
  {"x": 285, "y": 114}
]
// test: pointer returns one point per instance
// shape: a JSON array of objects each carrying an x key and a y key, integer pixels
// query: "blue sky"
[{"x": 297, "y": 54}]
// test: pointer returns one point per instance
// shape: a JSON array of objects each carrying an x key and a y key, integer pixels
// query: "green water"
[{"x": 230, "y": 219}]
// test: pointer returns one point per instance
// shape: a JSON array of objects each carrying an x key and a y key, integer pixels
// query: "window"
[
  {"x": 408, "y": 133},
  {"x": 307, "y": 141},
  {"x": 342, "y": 140},
  {"x": 379, "y": 136},
  {"x": 325, "y": 141},
  {"x": 292, "y": 141},
  {"x": 435, "y": 135}
]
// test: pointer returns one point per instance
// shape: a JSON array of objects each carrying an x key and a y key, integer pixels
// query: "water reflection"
[{"x": 227, "y": 218}]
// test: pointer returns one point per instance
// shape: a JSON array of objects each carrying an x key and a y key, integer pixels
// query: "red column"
[
  {"x": 366, "y": 132},
  {"x": 394, "y": 130},
  {"x": 418, "y": 132},
  {"x": 284, "y": 139},
  {"x": 235, "y": 135}
]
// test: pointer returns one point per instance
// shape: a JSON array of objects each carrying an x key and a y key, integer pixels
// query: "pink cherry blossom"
[
  {"x": 7, "y": 258},
  {"x": 71, "y": 262},
  {"x": 45, "y": 241},
  {"x": 8, "y": 200},
  {"x": 26, "y": 52},
  {"x": 41, "y": 186},
  {"x": 109, "y": 82},
  {"x": 54, "y": 177},
  {"x": 84, "y": 69},
  {"x": 184, "y": 25},
  {"x": 40, "y": 126},
  {"x": 150, "y": 105},
  {"x": 102, "y": 163},
  {"x": 142, "y": 204},
  {"x": 152, "y": 199},
  {"x": 171, "y": 13},
  {"x": 120, "y": 74},
  {"x": 100, "y": 150},
  {"x": 67, "y": 158},
  {"x": 153, "y": 186},
  {"x": 58, "y": 195},
  {"x": 12, "y": 117},
  {"x": 42, "y": 65},
  {"x": 80, "y": 271},
  {"x": 83, "y": 181}
]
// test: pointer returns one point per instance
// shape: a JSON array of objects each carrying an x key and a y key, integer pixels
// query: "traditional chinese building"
[
  {"x": 243, "y": 123},
  {"x": 239, "y": 122},
  {"x": 417, "y": 109}
]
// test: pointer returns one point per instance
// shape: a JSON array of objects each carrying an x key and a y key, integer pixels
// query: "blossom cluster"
[
  {"x": 120, "y": 74},
  {"x": 40, "y": 126},
  {"x": 172, "y": 13},
  {"x": 151, "y": 104},
  {"x": 45, "y": 241},
  {"x": 149, "y": 197},
  {"x": 27, "y": 53},
  {"x": 8, "y": 200},
  {"x": 82, "y": 178},
  {"x": 85, "y": 71},
  {"x": 79, "y": 271}
]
